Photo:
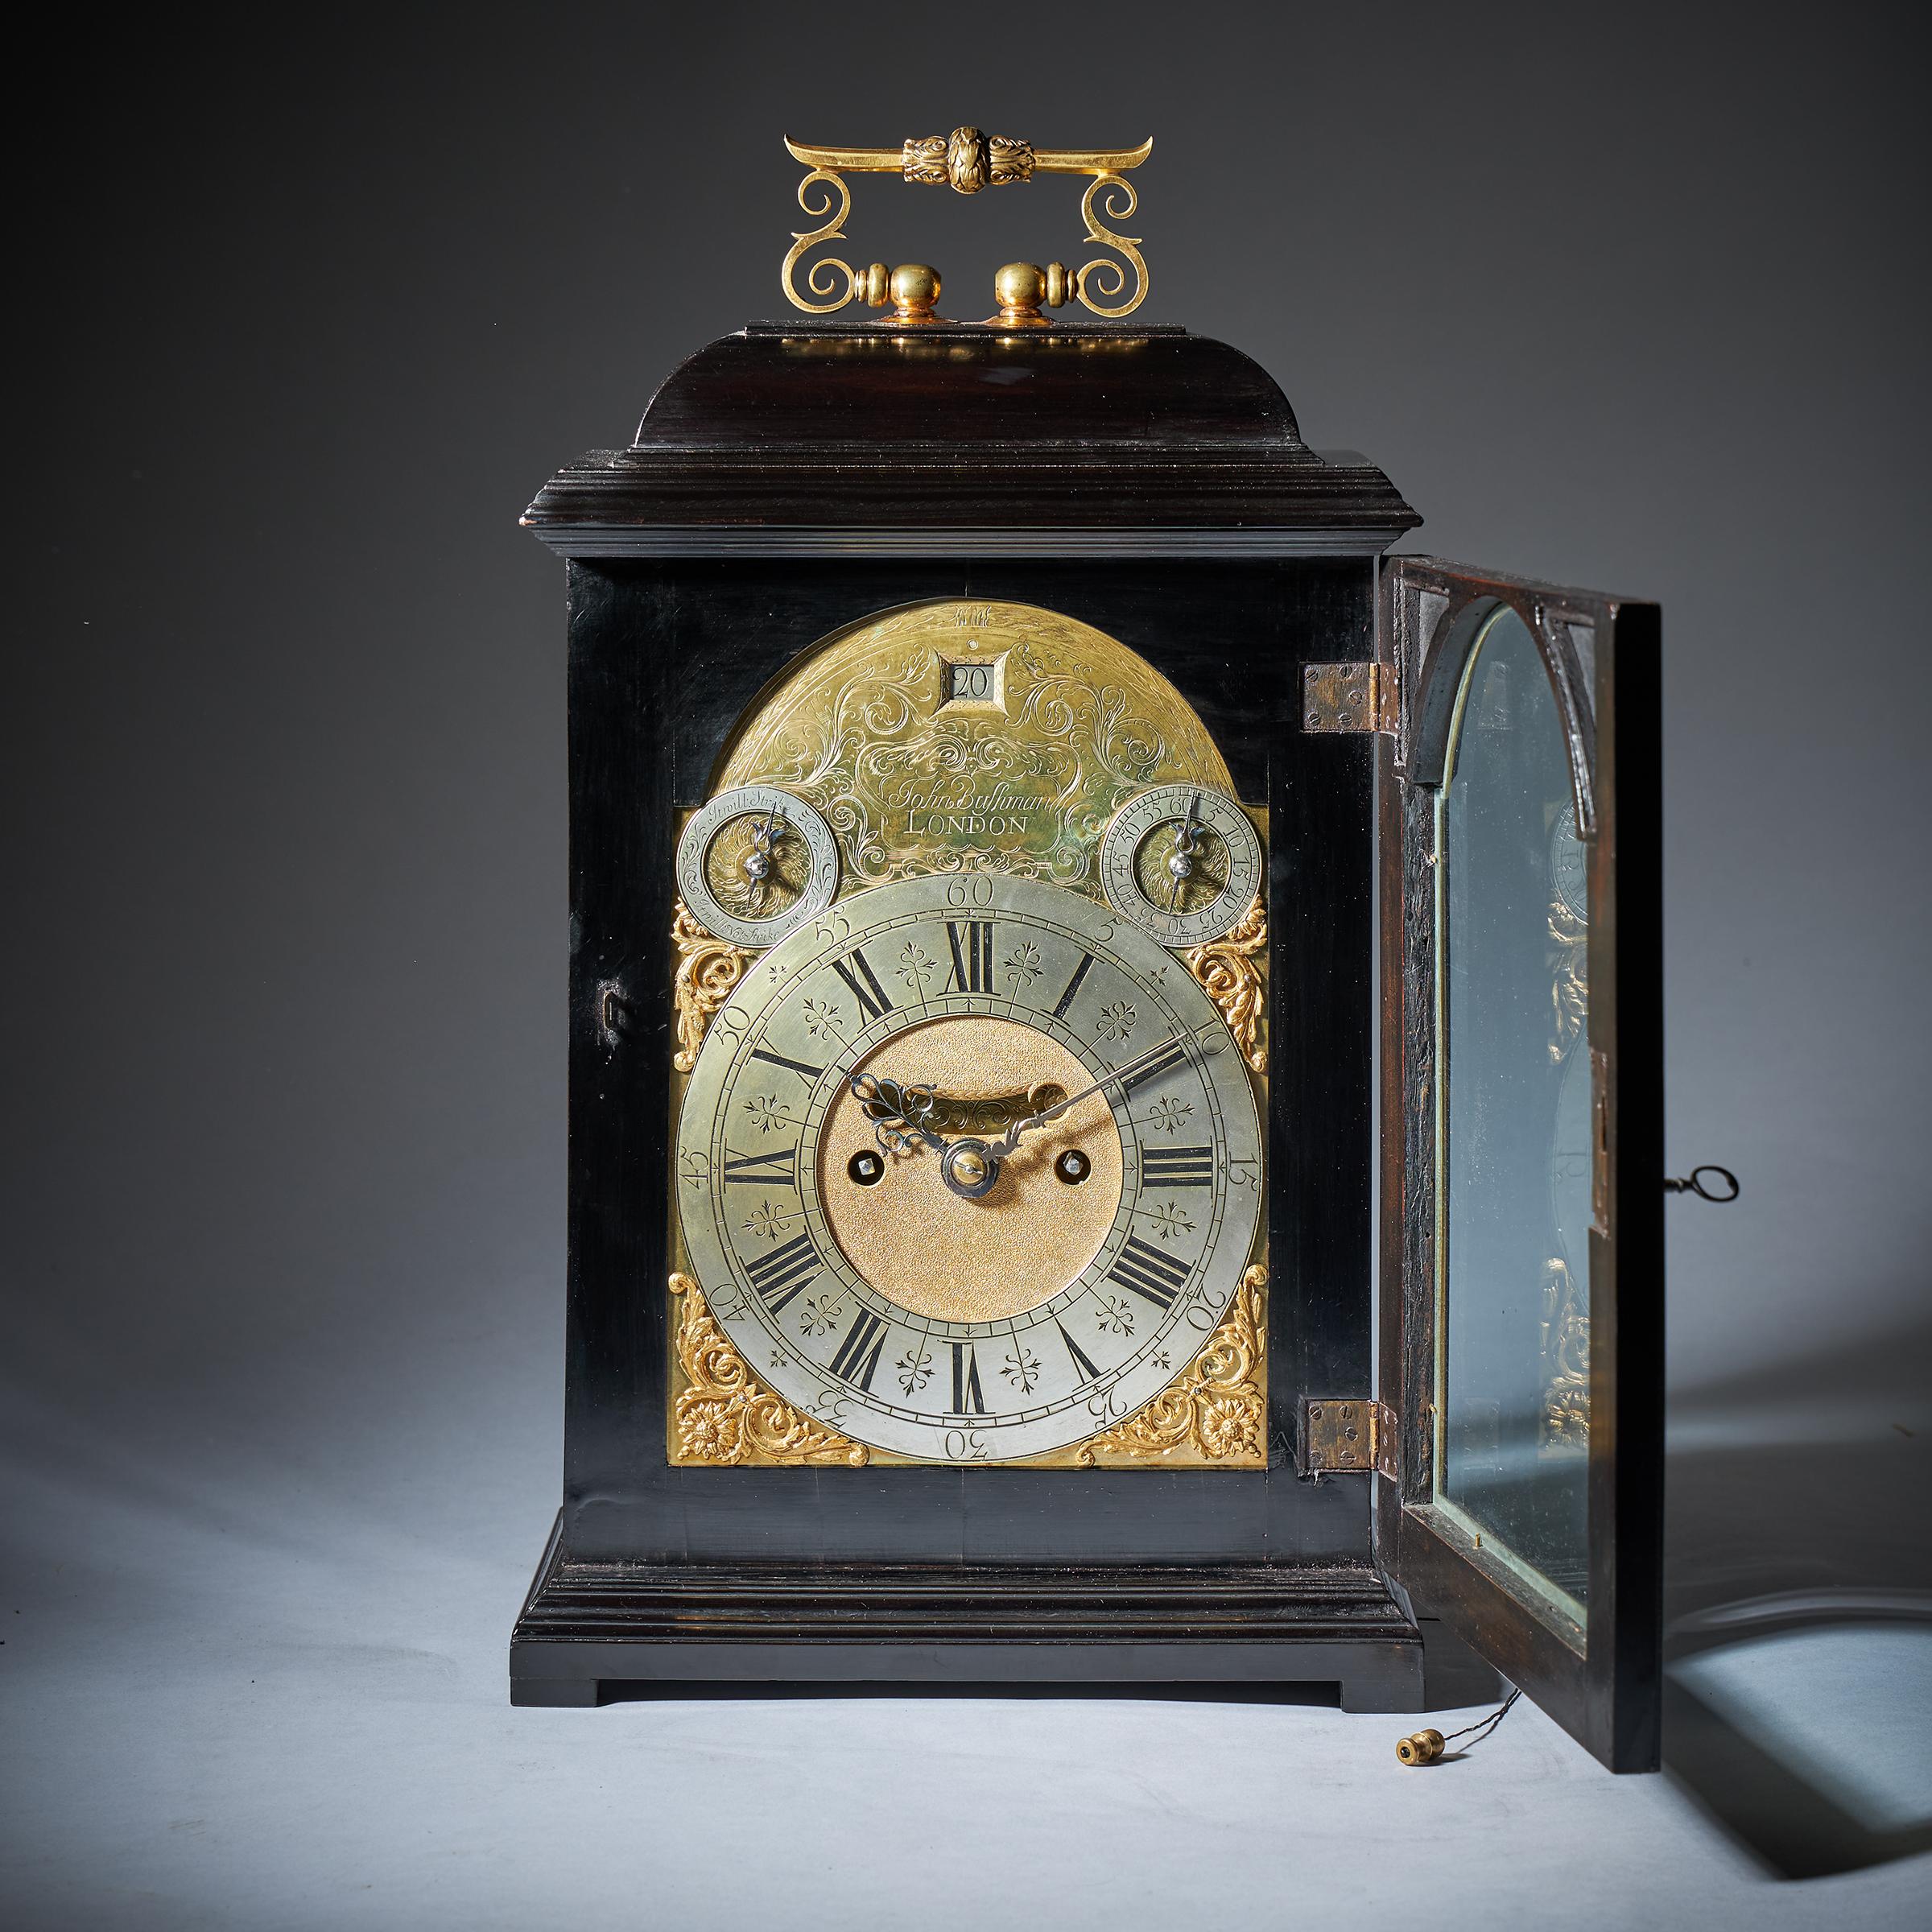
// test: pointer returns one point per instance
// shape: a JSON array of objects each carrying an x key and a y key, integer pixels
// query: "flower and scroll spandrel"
[
  {"x": 1218, "y": 1411},
  {"x": 1229, "y": 976},
  {"x": 725, "y": 1415},
  {"x": 709, "y": 969}
]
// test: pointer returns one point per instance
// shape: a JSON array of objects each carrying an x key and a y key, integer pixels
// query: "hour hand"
[{"x": 898, "y": 1111}]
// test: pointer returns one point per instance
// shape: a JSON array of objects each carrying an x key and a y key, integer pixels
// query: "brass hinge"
[
  {"x": 1349, "y": 697},
  {"x": 1344, "y": 1434}
]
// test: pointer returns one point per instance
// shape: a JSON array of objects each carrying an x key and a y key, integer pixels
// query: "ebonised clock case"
[{"x": 785, "y": 482}]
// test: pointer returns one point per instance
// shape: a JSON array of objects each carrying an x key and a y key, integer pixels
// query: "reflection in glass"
[{"x": 1513, "y": 1308}]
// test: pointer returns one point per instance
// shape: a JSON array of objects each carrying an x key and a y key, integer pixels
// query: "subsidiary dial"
[
  {"x": 755, "y": 864},
  {"x": 1182, "y": 862}
]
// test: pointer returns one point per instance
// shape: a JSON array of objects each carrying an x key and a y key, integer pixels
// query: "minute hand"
[{"x": 1011, "y": 1139}]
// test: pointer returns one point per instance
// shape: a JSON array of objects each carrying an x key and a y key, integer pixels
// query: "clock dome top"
[
  {"x": 856, "y": 431},
  {"x": 802, "y": 387}
]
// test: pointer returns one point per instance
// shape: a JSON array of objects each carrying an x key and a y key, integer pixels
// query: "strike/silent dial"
[
  {"x": 756, "y": 863},
  {"x": 1182, "y": 862}
]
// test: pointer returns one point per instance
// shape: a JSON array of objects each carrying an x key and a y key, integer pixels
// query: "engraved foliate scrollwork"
[
  {"x": 1217, "y": 1412},
  {"x": 725, "y": 1415},
  {"x": 946, "y": 738},
  {"x": 913, "y": 779}
]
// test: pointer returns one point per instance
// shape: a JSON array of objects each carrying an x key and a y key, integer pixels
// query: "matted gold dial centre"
[
  {"x": 930, "y": 1249},
  {"x": 1182, "y": 867},
  {"x": 754, "y": 870}
]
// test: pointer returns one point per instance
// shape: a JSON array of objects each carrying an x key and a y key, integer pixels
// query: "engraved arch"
[{"x": 956, "y": 734}]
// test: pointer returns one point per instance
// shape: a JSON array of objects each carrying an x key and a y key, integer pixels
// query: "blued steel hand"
[
  {"x": 1011, "y": 1138},
  {"x": 756, "y": 865},
  {"x": 898, "y": 1111},
  {"x": 1186, "y": 848}
]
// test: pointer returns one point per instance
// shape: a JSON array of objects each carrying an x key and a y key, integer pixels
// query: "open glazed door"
[{"x": 1521, "y": 1344}]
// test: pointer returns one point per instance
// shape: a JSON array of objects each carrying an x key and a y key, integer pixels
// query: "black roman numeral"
[
  {"x": 1073, "y": 986},
  {"x": 1148, "y": 1272},
  {"x": 858, "y": 1354},
  {"x": 779, "y": 1170},
  {"x": 1089, "y": 1373},
  {"x": 806, "y": 1073},
  {"x": 1177, "y": 1166},
  {"x": 1173, "y": 1057},
  {"x": 779, "y": 1275},
  {"x": 966, "y": 1398},
  {"x": 971, "y": 954},
  {"x": 865, "y": 984}
]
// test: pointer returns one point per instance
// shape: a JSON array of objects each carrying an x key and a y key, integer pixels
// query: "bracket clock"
[{"x": 1115, "y": 1030}]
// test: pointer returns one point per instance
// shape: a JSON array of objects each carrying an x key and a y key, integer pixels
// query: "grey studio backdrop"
[{"x": 1628, "y": 300}]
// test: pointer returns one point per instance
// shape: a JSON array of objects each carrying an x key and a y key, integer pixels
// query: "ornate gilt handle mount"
[{"x": 968, "y": 160}]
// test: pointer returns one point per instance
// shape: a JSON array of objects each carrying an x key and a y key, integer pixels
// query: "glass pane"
[{"x": 1512, "y": 1458}]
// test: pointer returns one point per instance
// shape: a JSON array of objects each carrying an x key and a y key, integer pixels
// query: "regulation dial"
[{"x": 1182, "y": 862}]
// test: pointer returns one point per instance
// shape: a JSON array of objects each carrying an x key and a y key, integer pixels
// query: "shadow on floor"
[{"x": 1798, "y": 1644}]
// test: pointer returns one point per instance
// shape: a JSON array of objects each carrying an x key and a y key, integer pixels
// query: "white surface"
[
  {"x": 1853, "y": 1704},
  {"x": 277, "y": 1708}
]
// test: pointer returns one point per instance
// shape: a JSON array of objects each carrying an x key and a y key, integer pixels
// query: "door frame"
[{"x": 1602, "y": 656}]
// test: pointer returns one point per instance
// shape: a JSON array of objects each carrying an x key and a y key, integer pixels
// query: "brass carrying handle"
[{"x": 968, "y": 160}]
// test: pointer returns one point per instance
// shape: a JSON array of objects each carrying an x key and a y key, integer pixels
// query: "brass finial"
[
  {"x": 914, "y": 291},
  {"x": 1022, "y": 289},
  {"x": 968, "y": 160}
]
